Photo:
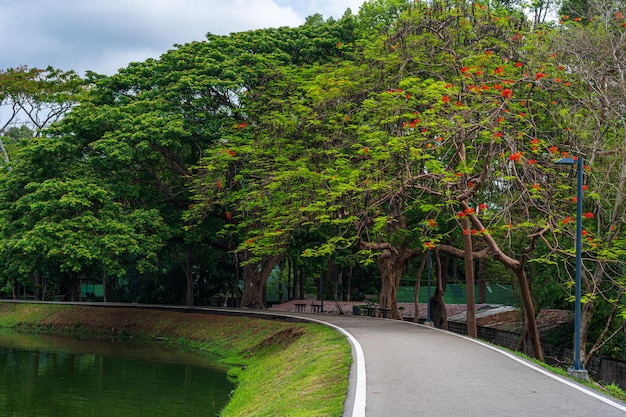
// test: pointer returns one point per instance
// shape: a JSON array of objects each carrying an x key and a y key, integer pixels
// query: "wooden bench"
[
  {"x": 300, "y": 307},
  {"x": 316, "y": 308}
]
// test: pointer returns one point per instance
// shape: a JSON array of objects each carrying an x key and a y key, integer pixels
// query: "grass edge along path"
[{"x": 281, "y": 368}]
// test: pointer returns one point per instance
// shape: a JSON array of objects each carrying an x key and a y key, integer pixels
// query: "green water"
[{"x": 46, "y": 376}]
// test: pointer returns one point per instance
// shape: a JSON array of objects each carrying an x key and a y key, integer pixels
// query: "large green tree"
[{"x": 258, "y": 174}]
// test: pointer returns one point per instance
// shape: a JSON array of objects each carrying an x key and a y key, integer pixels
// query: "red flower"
[
  {"x": 515, "y": 156},
  {"x": 445, "y": 99},
  {"x": 431, "y": 222},
  {"x": 231, "y": 152},
  {"x": 588, "y": 215},
  {"x": 532, "y": 162},
  {"x": 499, "y": 70},
  {"x": 536, "y": 187},
  {"x": 429, "y": 245},
  {"x": 483, "y": 206},
  {"x": 518, "y": 64},
  {"x": 464, "y": 69},
  {"x": 507, "y": 93},
  {"x": 553, "y": 149},
  {"x": 539, "y": 75}
]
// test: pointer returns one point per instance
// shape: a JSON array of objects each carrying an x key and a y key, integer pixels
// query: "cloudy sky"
[{"x": 105, "y": 35}]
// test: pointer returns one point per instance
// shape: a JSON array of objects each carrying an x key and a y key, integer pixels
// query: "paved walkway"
[
  {"x": 402, "y": 369},
  {"x": 409, "y": 370}
]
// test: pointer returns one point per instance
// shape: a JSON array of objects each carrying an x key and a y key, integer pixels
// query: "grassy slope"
[{"x": 283, "y": 368}]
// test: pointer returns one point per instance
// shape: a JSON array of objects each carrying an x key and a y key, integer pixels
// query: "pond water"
[{"x": 50, "y": 376}]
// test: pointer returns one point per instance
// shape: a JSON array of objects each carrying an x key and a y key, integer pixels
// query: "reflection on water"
[{"x": 51, "y": 376}]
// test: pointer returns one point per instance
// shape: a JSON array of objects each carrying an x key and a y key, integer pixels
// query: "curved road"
[
  {"x": 403, "y": 369},
  {"x": 412, "y": 370}
]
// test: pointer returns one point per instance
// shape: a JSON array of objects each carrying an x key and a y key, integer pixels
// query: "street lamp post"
[{"x": 577, "y": 369}]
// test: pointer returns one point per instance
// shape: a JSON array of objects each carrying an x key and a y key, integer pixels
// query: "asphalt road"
[
  {"x": 402, "y": 369},
  {"x": 413, "y": 370}
]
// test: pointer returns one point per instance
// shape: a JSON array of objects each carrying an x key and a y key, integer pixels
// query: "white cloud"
[{"x": 105, "y": 35}]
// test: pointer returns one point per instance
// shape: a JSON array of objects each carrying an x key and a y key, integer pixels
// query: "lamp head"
[{"x": 566, "y": 161}]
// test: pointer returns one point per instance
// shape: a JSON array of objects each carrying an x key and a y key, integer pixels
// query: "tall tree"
[
  {"x": 35, "y": 98},
  {"x": 258, "y": 174},
  {"x": 591, "y": 43}
]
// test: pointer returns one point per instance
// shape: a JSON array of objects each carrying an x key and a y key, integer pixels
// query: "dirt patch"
[{"x": 280, "y": 340}]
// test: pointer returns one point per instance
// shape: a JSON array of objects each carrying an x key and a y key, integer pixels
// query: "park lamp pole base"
[{"x": 580, "y": 374}]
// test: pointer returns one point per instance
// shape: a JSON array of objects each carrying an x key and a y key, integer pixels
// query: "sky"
[{"x": 106, "y": 35}]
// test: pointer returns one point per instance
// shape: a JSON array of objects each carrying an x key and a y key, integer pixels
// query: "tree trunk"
[
  {"x": 185, "y": 262},
  {"x": 531, "y": 321},
  {"x": 391, "y": 273},
  {"x": 349, "y": 284},
  {"x": 586, "y": 315},
  {"x": 38, "y": 280},
  {"x": 418, "y": 278},
  {"x": 329, "y": 279},
  {"x": 5, "y": 156},
  {"x": 518, "y": 268},
  {"x": 391, "y": 262},
  {"x": 302, "y": 282},
  {"x": 255, "y": 276},
  {"x": 469, "y": 279},
  {"x": 442, "y": 282},
  {"x": 294, "y": 272},
  {"x": 104, "y": 286},
  {"x": 189, "y": 298}
]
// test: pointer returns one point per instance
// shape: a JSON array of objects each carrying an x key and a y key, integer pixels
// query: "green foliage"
[{"x": 336, "y": 139}]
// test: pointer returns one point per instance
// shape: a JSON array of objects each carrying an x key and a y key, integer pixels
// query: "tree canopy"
[{"x": 406, "y": 128}]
